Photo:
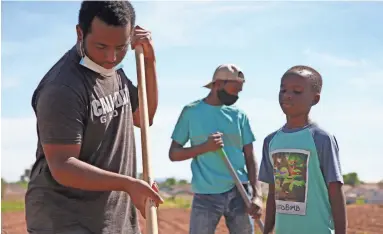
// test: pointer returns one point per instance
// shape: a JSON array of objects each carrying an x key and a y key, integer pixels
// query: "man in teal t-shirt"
[
  {"x": 300, "y": 163},
  {"x": 211, "y": 123}
]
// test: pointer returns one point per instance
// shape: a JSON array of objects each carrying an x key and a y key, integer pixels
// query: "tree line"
[
  {"x": 351, "y": 178},
  {"x": 169, "y": 182}
]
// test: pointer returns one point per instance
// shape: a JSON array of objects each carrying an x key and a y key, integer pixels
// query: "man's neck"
[{"x": 212, "y": 99}]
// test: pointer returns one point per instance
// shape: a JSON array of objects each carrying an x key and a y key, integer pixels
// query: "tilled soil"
[{"x": 362, "y": 219}]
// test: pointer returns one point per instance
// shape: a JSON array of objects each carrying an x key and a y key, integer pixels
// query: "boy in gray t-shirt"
[{"x": 83, "y": 179}]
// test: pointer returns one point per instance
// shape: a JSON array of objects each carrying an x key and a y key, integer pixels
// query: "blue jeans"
[{"x": 207, "y": 210}]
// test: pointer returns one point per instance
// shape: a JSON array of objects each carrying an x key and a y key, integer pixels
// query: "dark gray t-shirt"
[{"x": 75, "y": 105}]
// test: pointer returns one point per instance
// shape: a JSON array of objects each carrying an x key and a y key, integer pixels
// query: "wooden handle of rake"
[
  {"x": 239, "y": 185},
  {"x": 151, "y": 212}
]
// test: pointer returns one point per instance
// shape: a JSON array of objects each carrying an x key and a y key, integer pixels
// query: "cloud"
[
  {"x": 332, "y": 60},
  {"x": 9, "y": 47},
  {"x": 29, "y": 17},
  {"x": 365, "y": 74},
  {"x": 242, "y": 7},
  {"x": 372, "y": 79},
  {"x": 18, "y": 141},
  {"x": 185, "y": 23},
  {"x": 356, "y": 123},
  {"x": 7, "y": 83},
  {"x": 46, "y": 45}
]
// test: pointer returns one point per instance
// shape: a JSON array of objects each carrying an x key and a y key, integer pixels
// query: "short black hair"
[
  {"x": 313, "y": 75},
  {"x": 116, "y": 13}
]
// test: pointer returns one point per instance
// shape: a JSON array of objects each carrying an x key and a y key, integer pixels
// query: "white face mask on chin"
[{"x": 88, "y": 63}]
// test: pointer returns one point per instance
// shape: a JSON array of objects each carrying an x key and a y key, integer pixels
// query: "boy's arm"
[
  {"x": 328, "y": 153},
  {"x": 270, "y": 211},
  {"x": 179, "y": 153},
  {"x": 266, "y": 174},
  {"x": 338, "y": 206},
  {"x": 179, "y": 138}
]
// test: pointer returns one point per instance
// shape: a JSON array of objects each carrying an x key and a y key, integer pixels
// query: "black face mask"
[{"x": 226, "y": 98}]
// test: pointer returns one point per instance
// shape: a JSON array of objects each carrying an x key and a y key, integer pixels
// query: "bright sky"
[{"x": 342, "y": 40}]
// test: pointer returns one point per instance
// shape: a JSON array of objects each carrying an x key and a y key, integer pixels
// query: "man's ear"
[
  {"x": 216, "y": 84},
  {"x": 316, "y": 99},
  {"x": 79, "y": 33},
  {"x": 220, "y": 83}
]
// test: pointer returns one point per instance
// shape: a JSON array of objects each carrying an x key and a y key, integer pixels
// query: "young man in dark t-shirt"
[{"x": 84, "y": 177}]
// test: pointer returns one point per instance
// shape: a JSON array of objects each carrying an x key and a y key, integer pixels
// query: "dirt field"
[
  {"x": 363, "y": 219},
  {"x": 174, "y": 221}
]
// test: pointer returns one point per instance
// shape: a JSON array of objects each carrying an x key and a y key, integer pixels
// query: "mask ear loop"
[
  {"x": 130, "y": 42},
  {"x": 82, "y": 52}
]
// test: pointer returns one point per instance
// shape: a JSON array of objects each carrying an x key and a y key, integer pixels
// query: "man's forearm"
[
  {"x": 77, "y": 174},
  {"x": 251, "y": 165},
  {"x": 338, "y": 207},
  {"x": 151, "y": 87},
  {"x": 252, "y": 169},
  {"x": 181, "y": 154}
]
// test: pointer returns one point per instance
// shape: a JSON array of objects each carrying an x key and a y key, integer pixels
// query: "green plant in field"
[
  {"x": 360, "y": 200},
  {"x": 11, "y": 206},
  {"x": 23, "y": 184},
  {"x": 177, "y": 202}
]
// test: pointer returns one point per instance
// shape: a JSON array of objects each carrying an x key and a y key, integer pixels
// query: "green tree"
[
  {"x": 351, "y": 179},
  {"x": 183, "y": 182},
  {"x": 170, "y": 182}
]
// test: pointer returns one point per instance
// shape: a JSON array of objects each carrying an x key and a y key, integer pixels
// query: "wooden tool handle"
[
  {"x": 151, "y": 212},
  {"x": 238, "y": 183}
]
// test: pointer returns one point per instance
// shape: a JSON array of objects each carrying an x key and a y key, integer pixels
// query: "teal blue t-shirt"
[
  {"x": 300, "y": 163},
  {"x": 197, "y": 121}
]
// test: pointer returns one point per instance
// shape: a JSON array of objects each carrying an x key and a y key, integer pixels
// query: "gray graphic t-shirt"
[{"x": 75, "y": 105}]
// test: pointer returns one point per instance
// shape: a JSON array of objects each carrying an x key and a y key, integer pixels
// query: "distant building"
[
  {"x": 180, "y": 191},
  {"x": 366, "y": 193}
]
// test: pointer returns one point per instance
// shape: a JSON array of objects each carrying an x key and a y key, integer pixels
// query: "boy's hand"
[
  {"x": 255, "y": 210},
  {"x": 141, "y": 191},
  {"x": 143, "y": 37},
  {"x": 214, "y": 142}
]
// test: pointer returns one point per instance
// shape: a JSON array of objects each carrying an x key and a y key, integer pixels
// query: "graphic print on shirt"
[
  {"x": 105, "y": 108},
  {"x": 291, "y": 180}
]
